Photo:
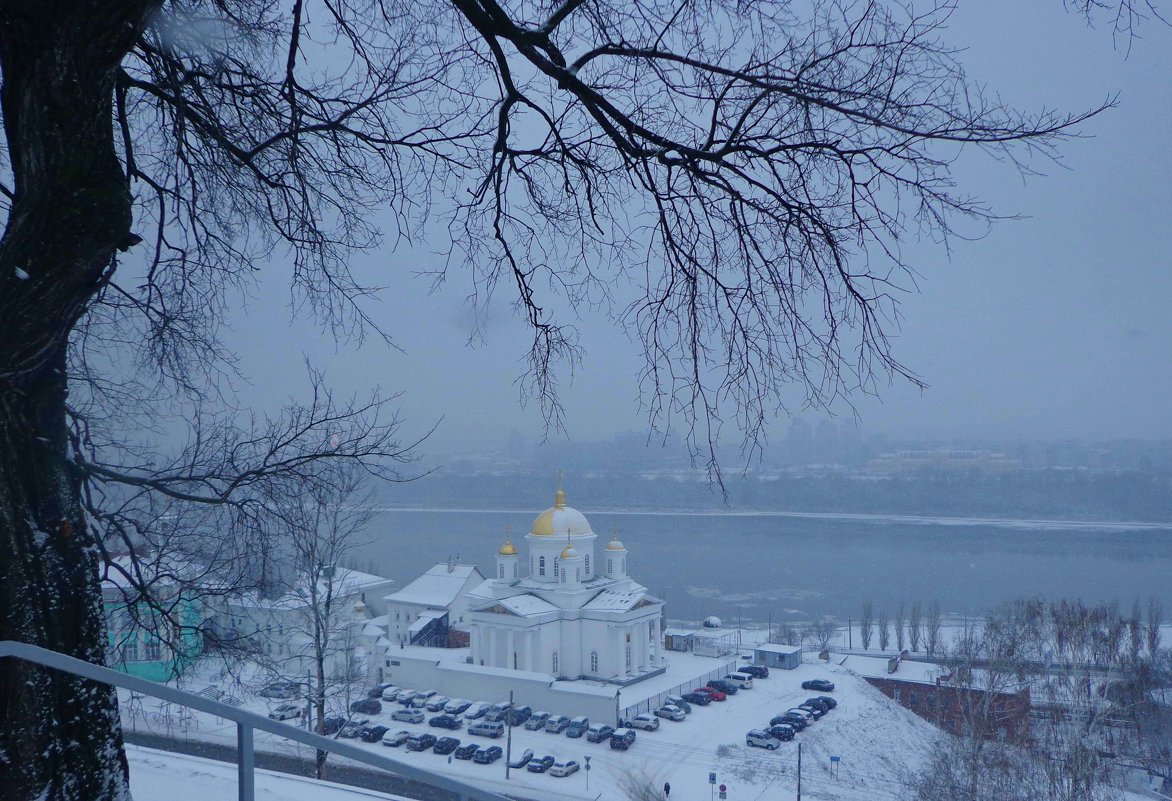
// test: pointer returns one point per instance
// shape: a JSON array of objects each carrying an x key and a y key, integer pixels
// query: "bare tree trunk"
[
  {"x": 70, "y": 212},
  {"x": 900, "y": 616},
  {"x": 866, "y": 624},
  {"x": 884, "y": 631}
]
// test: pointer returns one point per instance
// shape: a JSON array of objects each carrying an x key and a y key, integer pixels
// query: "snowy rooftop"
[
  {"x": 345, "y": 582},
  {"x": 439, "y": 586},
  {"x": 527, "y": 605},
  {"x": 873, "y": 667},
  {"x": 777, "y": 648},
  {"x": 614, "y": 601}
]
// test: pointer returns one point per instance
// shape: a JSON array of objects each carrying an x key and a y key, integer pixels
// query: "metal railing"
[{"x": 246, "y": 723}]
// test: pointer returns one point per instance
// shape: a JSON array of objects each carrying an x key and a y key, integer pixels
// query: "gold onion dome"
[
  {"x": 568, "y": 552},
  {"x": 614, "y": 544},
  {"x": 508, "y": 549},
  {"x": 560, "y": 519}
]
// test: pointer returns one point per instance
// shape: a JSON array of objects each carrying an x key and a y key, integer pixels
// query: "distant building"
[
  {"x": 942, "y": 460},
  {"x": 951, "y": 701},
  {"x": 775, "y": 655},
  {"x": 432, "y": 610}
]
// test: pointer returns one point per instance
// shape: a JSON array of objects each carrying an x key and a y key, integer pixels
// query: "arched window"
[
  {"x": 555, "y": 568},
  {"x": 623, "y": 565},
  {"x": 555, "y": 663},
  {"x": 502, "y": 570},
  {"x": 578, "y": 574},
  {"x": 594, "y": 661},
  {"x": 541, "y": 566},
  {"x": 587, "y": 564},
  {"x": 628, "y": 656},
  {"x": 609, "y": 566},
  {"x": 516, "y": 570}
]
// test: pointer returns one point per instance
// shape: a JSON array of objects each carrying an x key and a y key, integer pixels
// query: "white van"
[
  {"x": 487, "y": 728},
  {"x": 742, "y": 680}
]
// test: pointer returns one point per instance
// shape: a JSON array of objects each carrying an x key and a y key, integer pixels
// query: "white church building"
[{"x": 564, "y": 608}]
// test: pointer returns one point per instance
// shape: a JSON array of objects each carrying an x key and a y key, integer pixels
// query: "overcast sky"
[{"x": 1053, "y": 326}]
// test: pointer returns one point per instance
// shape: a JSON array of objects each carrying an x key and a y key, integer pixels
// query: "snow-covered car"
[
  {"x": 536, "y": 721},
  {"x": 377, "y": 690},
  {"x": 540, "y": 764},
  {"x": 821, "y": 685},
  {"x": 599, "y": 732},
  {"x": 404, "y": 696},
  {"x": 391, "y": 693},
  {"x": 445, "y": 745},
  {"x": 827, "y": 700},
  {"x": 352, "y": 729},
  {"x": 437, "y": 703},
  {"x": 678, "y": 700},
  {"x": 408, "y": 715},
  {"x": 700, "y": 699},
  {"x": 285, "y": 712},
  {"x": 564, "y": 768},
  {"x": 446, "y": 722},
  {"x": 396, "y": 739},
  {"x": 280, "y": 690},
  {"x": 645, "y": 721},
  {"x": 816, "y": 711},
  {"x": 783, "y": 732},
  {"x": 466, "y": 751},
  {"x": 367, "y": 706},
  {"x": 457, "y": 706},
  {"x": 671, "y": 712},
  {"x": 420, "y": 742},
  {"x": 806, "y": 713},
  {"x": 523, "y": 760},
  {"x": 487, "y": 754},
  {"x": 373, "y": 733},
  {"x": 475, "y": 710},
  {"x": 557, "y": 724}
]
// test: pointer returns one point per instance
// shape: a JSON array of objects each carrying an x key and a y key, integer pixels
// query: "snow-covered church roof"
[{"x": 438, "y": 587}]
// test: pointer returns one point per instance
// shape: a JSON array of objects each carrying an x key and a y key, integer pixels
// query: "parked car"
[
  {"x": 557, "y": 724},
  {"x": 520, "y": 715},
  {"x": 826, "y": 699},
  {"x": 475, "y": 710},
  {"x": 352, "y": 729},
  {"x": 540, "y": 764},
  {"x": 799, "y": 722},
  {"x": 756, "y": 671},
  {"x": 821, "y": 685},
  {"x": 578, "y": 726},
  {"x": 818, "y": 702},
  {"x": 445, "y": 745},
  {"x": 487, "y": 754},
  {"x": 806, "y": 713},
  {"x": 816, "y": 711},
  {"x": 396, "y": 739},
  {"x": 377, "y": 690},
  {"x": 537, "y": 721},
  {"x": 420, "y": 742},
  {"x": 711, "y": 692},
  {"x": 419, "y": 701},
  {"x": 496, "y": 713},
  {"x": 680, "y": 701},
  {"x": 281, "y": 690},
  {"x": 391, "y": 693},
  {"x": 622, "y": 739},
  {"x": 487, "y": 728},
  {"x": 366, "y": 706},
  {"x": 728, "y": 688},
  {"x": 523, "y": 760},
  {"x": 436, "y": 703},
  {"x": 286, "y": 711},
  {"x": 446, "y": 722},
  {"x": 599, "y": 732},
  {"x": 762, "y": 739},
  {"x": 404, "y": 696},
  {"x": 645, "y": 721},
  {"x": 564, "y": 768},
  {"x": 457, "y": 706},
  {"x": 332, "y": 724},
  {"x": 466, "y": 751},
  {"x": 783, "y": 732},
  {"x": 700, "y": 699},
  {"x": 671, "y": 712},
  {"x": 373, "y": 733},
  {"x": 408, "y": 715}
]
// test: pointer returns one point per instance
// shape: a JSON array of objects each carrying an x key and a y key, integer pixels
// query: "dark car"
[
  {"x": 466, "y": 751},
  {"x": 818, "y": 702},
  {"x": 700, "y": 699},
  {"x": 540, "y": 764},
  {"x": 520, "y": 714},
  {"x": 826, "y": 699},
  {"x": 445, "y": 745},
  {"x": 791, "y": 719},
  {"x": 599, "y": 732},
  {"x": 622, "y": 739},
  {"x": 821, "y": 685},
  {"x": 487, "y": 754},
  {"x": 446, "y": 722},
  {"x": 496, "y": 713},
  {"x": 352, "y": 729},
  {"x": 367, "y": 706},
  {"x": 783, "y": 732},
  {"x": 373, "y": 733},
  {"x": 333, "y": 725},
  {"x": 726, "y": 687},
  {"x": 377, "y": 690},
  {"x": 420, "y": 742},
  {"x": 756, "y": 671}
]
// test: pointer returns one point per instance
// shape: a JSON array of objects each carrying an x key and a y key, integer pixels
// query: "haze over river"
[{"x": 749, "y": 566}]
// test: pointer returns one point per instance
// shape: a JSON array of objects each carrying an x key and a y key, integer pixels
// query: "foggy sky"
[{"x": 1052, "y": 326}]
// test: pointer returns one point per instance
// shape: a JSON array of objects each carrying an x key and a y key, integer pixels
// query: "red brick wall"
[
  {"x": 944, "y": 705},
  {"x": 459, "y": 639}
]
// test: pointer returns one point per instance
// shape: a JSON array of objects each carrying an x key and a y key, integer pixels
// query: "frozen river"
[{"x": 797, "y": 566}]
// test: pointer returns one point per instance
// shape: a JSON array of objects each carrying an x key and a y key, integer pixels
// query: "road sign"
[
  {"x": 723, "y": 788},
  {"x": 712, "y": 777},
  {"x": 835, "y": 758}
]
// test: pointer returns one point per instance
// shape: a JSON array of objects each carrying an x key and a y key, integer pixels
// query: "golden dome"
[
  {"x": 560, "y": 519},
  {"x": 508, "y": 549},
  {"x": 568, "y": 552},
  {"x": 615, "y": 545}
]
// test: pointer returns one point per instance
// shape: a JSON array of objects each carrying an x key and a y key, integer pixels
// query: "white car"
[
  {"x": 437, "y": 703},
  {"x": 645, "y": 721},
  {"x": 396, "y": 738},
  {"x": 671, "y": 712},
  {"x": 391, "y": 693},
  {"x": 475, "y": 711},
  {"x": 565, "y": 768},
  {"x": 805, "y": 713},
  {"x": 285, "y": 712},
  {"x": 457, "y": 705},
  {"x": 762, "y": 739},
  {"x": 408, "y": 716}
]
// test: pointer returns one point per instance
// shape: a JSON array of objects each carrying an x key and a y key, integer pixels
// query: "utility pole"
[
  {"x": 850, "y": 642},
  {"x": 509, "y": 741},
  {"x": 799, "y": 772}
]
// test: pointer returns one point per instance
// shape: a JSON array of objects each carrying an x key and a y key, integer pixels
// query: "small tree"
[
  {"x": 900, "y": 617},
  {"x": 786, "y": 633},
  {"x": 867, "y": 624},
  {"x": 884, "y": 626},
  {"x": 932, "y": 629},
  {"x": 823, "y": 632},
  {"x": 915, "y": 622},
  {"x": 1152, "y": 630}
]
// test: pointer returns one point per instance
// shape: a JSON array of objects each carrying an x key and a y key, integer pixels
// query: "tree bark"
[{"x": 70, "y": 211}]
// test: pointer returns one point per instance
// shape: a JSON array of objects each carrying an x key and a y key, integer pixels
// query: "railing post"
[{"x": 245, "y": 773}]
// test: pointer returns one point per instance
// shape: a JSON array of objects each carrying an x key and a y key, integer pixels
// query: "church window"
[
  {"x": 623, "y": 565},
  {"x": 516, "y": 574},
  {"x": 502, "y": 570},
  {"x": 555, "y": 662},
  {"x": 628, "y": 656},
  {"x": 594, "y": 661},
  {"x": 555, "y": 568},
  {"x": 587, "y": 564},
  {"x": 541, "y": 566},
  {"x": 609, "y": 566},
  {"x": 578, "y": 574}
]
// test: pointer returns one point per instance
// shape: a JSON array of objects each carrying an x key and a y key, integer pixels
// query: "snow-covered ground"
[{"x": 875, "y": 739}]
